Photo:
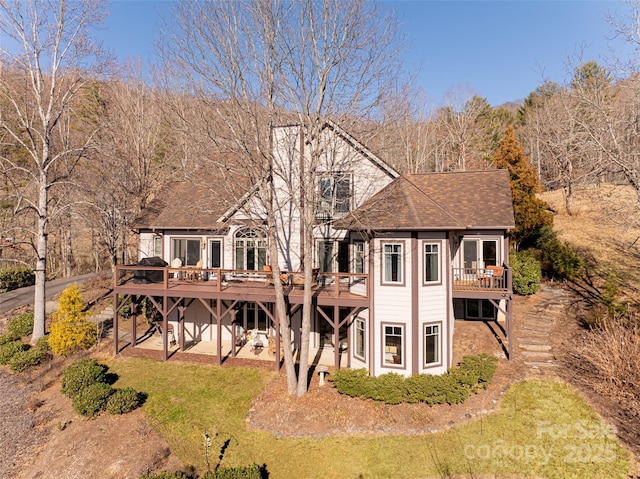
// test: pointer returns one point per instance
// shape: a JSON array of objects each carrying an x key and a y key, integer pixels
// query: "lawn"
[{"x": 542, "y": 429}]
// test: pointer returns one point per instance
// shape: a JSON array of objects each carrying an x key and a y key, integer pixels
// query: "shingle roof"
[
  {"x": 437, "y": 201},
  {"x": 184, "y": 205}
]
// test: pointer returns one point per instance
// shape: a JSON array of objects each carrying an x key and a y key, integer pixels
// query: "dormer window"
[{"x": 333, "y": 195}]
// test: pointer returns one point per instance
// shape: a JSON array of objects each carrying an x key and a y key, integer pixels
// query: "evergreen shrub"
[
  {"x": 25, "y": 359},
  {"x": 7, "y": 338},
  {"x": 165, "y": 475},
  {"x": 558, "y": 258},
  {"x": 123, "y": 401},
  {"x": 70, "y": 330},
  {"x": 8, "y": 350},
  {"x": 526, "y": 272},
  {"x": 14, "y": 278},
  {"x": 21, "y": 325},
  {"x": 240, "y": 472},
  {"x": 42, "y": 343},
  {"x": 80, "y": 375},
  {"x": 453, "y": 387},
  {"x": 91, "y": 400}
]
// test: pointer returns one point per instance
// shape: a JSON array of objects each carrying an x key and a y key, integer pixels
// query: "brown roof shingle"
[
  {"x": 184, "y": 205},
  {"x": 438, "y": 201}
]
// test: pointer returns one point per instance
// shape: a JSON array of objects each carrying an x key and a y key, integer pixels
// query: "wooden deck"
[
  {"x": 482, "y": 283},
  {"x": 343, "y": 289}
]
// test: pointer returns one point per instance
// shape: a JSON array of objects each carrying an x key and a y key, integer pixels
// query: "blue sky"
[{"x": 501, "y": 50}]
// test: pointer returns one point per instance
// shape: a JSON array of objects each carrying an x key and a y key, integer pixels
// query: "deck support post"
[
  {"x": 234, "y": 313},
  {"x": 115, "y": 324},
  {"x": 165, "y": 328},
  {"x": 181, "y": 310},
  {"x": 134, "y": 333},
  {"x": 509, "y": 327},
  {"x": 336, "y": 336},
  {"x": 219, "y": 331}
]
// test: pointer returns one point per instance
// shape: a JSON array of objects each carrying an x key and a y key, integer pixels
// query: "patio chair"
[
  {"x": 176, "y": 264},
  {"x": 171, "y": 339},
  {"x": 255, "y": 341}
]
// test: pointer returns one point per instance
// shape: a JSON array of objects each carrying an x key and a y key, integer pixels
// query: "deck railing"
[
  {"x": 482, "y": 279},
  {"x": 219, "y": 280}
]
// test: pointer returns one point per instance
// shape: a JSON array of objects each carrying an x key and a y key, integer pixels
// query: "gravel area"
[{"x": 21, "y": 436}]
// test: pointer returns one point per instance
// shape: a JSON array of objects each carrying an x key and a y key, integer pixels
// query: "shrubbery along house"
[{"x": 398, "y": 259}]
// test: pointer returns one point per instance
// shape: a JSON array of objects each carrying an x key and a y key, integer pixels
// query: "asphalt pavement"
[{"x": 24, "y": 296}]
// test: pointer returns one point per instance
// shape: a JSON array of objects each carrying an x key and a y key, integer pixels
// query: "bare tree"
[
  {"x": 134, "y": 153},
  {"x": 46, "y": 56},
  {"x": 254, "y": 65},
  {"x": 406, "y": 134}
]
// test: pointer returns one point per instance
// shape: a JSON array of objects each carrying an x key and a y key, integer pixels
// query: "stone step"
[
  {"x": 538, "y": 322},
  {"x": 533, "y": 338},
  {"x": 535, "y": 331},
  {"x": 535, "y": 347},
  {"x": 541, "y": 364},
  {"x": 537, "y": 354}
]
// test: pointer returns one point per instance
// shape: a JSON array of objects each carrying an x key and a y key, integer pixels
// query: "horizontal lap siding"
[
  {"x": 433, "y": 301},
  {"x": 392, "y": 304}
]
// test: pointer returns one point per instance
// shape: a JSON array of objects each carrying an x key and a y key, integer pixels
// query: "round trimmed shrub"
[
  {"x": 80, "y": 375},
  {"x": 91, "y": 400},
  {"x": 21, "y": 325},
  {"x": 8, "y": 350},
  {"x": 123, "y": 401},
  {"x": 25, "y": 359}
]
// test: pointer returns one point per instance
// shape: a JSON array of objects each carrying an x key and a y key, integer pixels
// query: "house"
[{"x": 398, "y": 259}]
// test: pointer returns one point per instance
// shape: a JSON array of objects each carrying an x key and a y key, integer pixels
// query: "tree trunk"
[{"x": 39, "y": 303}]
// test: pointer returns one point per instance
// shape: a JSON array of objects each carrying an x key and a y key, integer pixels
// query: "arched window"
[{"x": 251, "y": 249}]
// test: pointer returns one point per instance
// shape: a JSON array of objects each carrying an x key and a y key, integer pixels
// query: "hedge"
[
  {"x": 21, "y": 325},
  {"x": 25, "y": 359},
  {"x": 455, "y": 386},
  {"x": 14, "y": 278},
  {"x": 9, "y": 350}
]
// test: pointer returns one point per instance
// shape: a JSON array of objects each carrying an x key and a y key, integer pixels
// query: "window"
[
  {"x": 188, "y": 250},
  {"x": 431, "y": 344},
  {"x": 255, "y": 317},
  {"x": 431, "y": 263},
  {"x": 215, "y": 253},
  {"x": 361, "y": 331},
  {"x": 393, "y": 345},
  {"x": 333, "y": 256},
  {"x": 251, "y": 250},
  {"x": 325, "y": 256},
  {"x": 392, "y": 263},
  {"x": 157, "y": 246},
  {"x": 478, "y": 253},
  {"x": 358, "y": 257},
  {"x": 333, "y": 195},
  {"x": 479, "y": 309}
]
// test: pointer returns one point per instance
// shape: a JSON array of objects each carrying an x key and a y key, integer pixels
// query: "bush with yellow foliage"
[{"x": 70, "y": 329}]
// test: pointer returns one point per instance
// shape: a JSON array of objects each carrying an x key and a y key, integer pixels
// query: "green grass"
[{"x": 542, "y": 429}]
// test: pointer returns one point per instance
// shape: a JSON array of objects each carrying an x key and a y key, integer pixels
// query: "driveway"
[{"x": 23, "y": 296}]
